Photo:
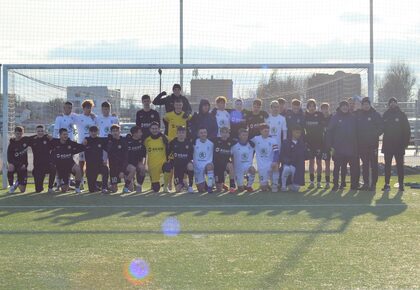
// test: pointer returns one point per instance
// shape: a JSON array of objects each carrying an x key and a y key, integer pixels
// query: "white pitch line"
[{"x": 205, "y": 206}]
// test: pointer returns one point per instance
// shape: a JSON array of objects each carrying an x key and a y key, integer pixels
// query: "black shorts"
[
  {"x": 22, "y": 174},
  {"x": 219, "y": 171},
  {"x": 179, "y": 173},
  {"x": 64, "y": 171},
  {"x": 314, "y": 153},
  {"x": 326, "y": 155},
  {"x": 114, "y": 173}
]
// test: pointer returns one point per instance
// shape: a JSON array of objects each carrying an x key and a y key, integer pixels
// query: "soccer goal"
[{"x": 33, "y": 94}]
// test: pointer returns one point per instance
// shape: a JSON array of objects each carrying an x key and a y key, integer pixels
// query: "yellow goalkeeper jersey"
[{"x": 174, "y": 121}]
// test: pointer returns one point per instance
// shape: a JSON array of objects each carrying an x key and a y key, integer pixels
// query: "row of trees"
[{"x": 398, "y": 81}]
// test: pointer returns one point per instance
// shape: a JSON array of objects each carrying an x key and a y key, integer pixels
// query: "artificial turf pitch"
[{"x": 311, "y": 239}]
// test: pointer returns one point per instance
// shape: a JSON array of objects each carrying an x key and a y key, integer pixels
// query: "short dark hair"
[
  {"x": 282, "y": 101},
  {"x": 135, "y": 129},
  {"x": 19, "y": 129},
  {"x": 325, "y": 105},
  {"x": 115, "y": 126},
  {"x": 176, "y": 86},
  {"x": 310, "y": 102},
  {"x": 242, "y": 130},
  {"x": 106, "y": 104},
  {"x": 87, "y": 103},
  {"x": 257, "y": 102},
  {"x": 181, "y": 129},
  {"x": 68, "y": 103},
  {"x": 62, "y": 130},
  {"x": 264, "y": 126},
  {"x": 145, "y": 97},
  {"x": 93, "y": 129},
  {"x": 154, "y": 123},
  {"x": 40, "y": 127},
  {"x": 296, "y": 102},
  {"x": 366, "y": 100}
]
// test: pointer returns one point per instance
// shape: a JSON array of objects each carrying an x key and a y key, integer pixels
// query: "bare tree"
[{"x": 398, "y": 82}]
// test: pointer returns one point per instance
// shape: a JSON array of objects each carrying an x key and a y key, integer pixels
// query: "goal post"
[{"x": 33, "y": 93}]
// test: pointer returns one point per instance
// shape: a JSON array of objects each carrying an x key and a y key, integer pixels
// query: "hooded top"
[{"x": 204, "y": 120}]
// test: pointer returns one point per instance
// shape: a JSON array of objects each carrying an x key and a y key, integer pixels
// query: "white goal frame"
[{"x": 7, "y": 67}]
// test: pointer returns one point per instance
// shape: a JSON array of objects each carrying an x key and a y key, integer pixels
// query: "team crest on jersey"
[
  {"x": 119, "y": 146},
  {"x": 175, "y": 155},
  {"x": 369, "y": 118},
  {"x": 106, "y": 129},
  {"x": 186, "y": 146},
  {"x": 217, "y": 149},
  {"x": 24, "y": 145},
  {"x": 202, "y": 155},
  {"x": 340, "y": 121},
  {"x": 273, "y": 130},
  {"x": 45, "y": 142},
  {"x": 87, "y": 128},
  {"x": 244, "y": 156},
  {"x": 99, "y": 145},
  {"x": 298, "y": 120},
  {"x": 263, "y": 151},
  {"x": 152, "y": 116},
  {"x": 69, "y": 147},
  {"x": 397, "y": 120}
]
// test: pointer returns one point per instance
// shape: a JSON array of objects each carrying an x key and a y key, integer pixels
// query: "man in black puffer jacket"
[
  {"x": 369, "y": 128},
  {"x": 396, "y": 139},
  {"x": 342, "y": 139}
]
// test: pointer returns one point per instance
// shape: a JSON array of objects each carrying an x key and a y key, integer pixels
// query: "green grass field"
[{"x": 312, "y": 239}]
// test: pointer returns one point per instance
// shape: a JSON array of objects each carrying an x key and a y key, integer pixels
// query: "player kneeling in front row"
[
  {"x": 222, "y": 160},
  {"x": 94, "y": 160},
  {"x": 267, "y": 154},
  {"x": 180, "y": 159},
  {"x": 203, "y": 162},
  {"x": 292, "y": 156},
  {"x": 136, "y": 157},
  {"x": 157, "y": 148},
  {"x": 243, "y": 155},
  {"x": 63, "y": 150},
  {"x": 17, "y": 157}
]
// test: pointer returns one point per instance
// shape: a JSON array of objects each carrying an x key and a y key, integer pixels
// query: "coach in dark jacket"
[
  {"x": 342, "y": 139},
  {"x": 369, "y": 128},
  {"x": 204, "y": 119},
  {"x": 395, "y": 140}
]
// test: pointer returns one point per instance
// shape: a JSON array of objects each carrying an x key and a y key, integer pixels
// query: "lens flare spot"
[{"x": 137, "y": 272}]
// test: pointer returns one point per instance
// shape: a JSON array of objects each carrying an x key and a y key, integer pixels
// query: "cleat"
[
  {"x": 335, "y": 187},
  {"x": 190, "y": 189},
  {"x": 386, "y": 187},
  {"x": 401, "y": 188},
  {"x": 12, "y": 189},
  {"x": 50, "y": 190},
  {"x": 284, "y": 189},
  {"x": 274, "y": 188},
  {"x": 225, "y": 187},
  {"x": 364, "y": 188},
  {"x": 327, "y": 185},
  {"x": 210, "y": 190},
  {"x": 232, "y": 190},
  {"x": 249, "y": 189},
  {"x": 318, "y": 185},
  {"x": 311, "y": 185},
  {"x": 105, "y": 191},
  {"x": 165, "y": 188},
  {"x": 126, "y": 190},
  {"x": 78, "y": 190}
]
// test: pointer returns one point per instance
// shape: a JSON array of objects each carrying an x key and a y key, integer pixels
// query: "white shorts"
[
  {"x": 105, "y": 156},
  {"x": 82, "y": 156},
  {"x": 199, "y": 172},
  {"x": 264, "y": 173},
  {"x": 240, "y": 171}
]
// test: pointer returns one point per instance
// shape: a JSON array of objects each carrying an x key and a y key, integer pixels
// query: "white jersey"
[
  {"x": 66, "y": 122},
  {"x": 203, "y": 152},
  {"x": 223, "y": 120},
  {"x": 264, "y": 150},
  {"x": 277, "y": 125},
  {"x": 83, "y": 123},
  {"x": 104, "y": 124},
  {"x": 243, "y": 155}
]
